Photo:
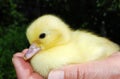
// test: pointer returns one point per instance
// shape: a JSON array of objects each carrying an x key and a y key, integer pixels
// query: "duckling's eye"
[{"x": 42, "y": 35}]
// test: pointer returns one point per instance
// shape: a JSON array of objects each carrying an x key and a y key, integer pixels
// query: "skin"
[
  {"x": 23, "y": 68},
  {"x": 108, "y": 68}
]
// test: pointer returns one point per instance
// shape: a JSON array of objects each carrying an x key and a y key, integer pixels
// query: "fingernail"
[{"x": 56, "y": 75}]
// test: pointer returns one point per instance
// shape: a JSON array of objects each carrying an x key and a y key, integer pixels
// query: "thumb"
[
  {"x": 72, "y": 72},
  {"x": 68, "y": 72}
]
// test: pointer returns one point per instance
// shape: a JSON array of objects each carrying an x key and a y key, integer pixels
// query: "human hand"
[
  {"x": 108, "y": 68},
  {"x": 23, "y": 68},
  {"x": 105, "y": 69}
]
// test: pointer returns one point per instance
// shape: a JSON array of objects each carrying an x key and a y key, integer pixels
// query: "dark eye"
[{"x": 42, "y": 35}]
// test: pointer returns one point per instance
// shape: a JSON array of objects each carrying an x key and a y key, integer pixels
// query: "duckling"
[{"x": 54, "y": 45}]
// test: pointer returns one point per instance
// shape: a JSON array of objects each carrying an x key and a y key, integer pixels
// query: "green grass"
[{"x": 12, "y": 40}]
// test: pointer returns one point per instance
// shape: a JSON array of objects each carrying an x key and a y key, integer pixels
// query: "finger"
[
  {"x": 115, "y": 55},
  {"x": 69, "y": 72},
  {"x": 24, "y": 51},
  {"x": 23, "y": 68},
  {"x": 19, "y": 54},
  {"x": 35, "y": 76},
  {"x": 105, "y": 69},
  {"x": 74, "y": 72}
]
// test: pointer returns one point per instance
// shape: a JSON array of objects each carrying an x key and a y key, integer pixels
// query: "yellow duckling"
[{"x": 54, "y": 44}]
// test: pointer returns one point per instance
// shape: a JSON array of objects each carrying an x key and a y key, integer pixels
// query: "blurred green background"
[{"x": 99, "y": 16}]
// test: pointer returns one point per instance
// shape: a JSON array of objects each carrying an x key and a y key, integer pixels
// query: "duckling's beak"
[{"x": 33, "y": 49}]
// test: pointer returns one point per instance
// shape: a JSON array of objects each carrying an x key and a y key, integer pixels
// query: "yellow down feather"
[{"x": 62, "y": 46}]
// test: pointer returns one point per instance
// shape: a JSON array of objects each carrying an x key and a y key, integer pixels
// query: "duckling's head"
[{"x": 48, "y": 31}]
